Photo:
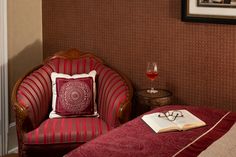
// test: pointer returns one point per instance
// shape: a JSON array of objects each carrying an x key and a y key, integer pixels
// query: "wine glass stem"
[{"x": 152, "y": 88}]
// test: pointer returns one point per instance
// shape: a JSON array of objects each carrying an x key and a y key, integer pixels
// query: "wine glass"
[{"x": 152, "y": 73}]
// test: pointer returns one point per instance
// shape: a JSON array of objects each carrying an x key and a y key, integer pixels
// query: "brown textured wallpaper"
[{"x": 197, "y": 61}]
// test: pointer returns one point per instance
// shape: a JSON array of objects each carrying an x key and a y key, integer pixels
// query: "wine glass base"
[{"x": 152, "y": 91}]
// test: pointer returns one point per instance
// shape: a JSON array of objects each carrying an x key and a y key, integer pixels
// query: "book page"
[
  {"x": 159, "y": 124},
  {"x": 188, "y": 121}
]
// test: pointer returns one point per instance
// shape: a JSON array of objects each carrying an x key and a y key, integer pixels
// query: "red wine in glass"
[{"x": 152, "y": 74}]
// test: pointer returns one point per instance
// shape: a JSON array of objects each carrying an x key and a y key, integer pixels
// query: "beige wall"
[{"x": 24, "y": 38}]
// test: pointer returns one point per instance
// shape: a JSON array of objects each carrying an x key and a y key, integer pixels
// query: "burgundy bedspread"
[{"x": 136, "y": 139}]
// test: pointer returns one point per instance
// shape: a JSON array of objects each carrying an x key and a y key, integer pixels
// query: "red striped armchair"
[{"x": 38, "y": 135}]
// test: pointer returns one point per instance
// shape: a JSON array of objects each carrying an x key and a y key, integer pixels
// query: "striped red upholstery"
[
  {"x": 35, "y": 90},
  {"x": 66, "y": 130},
  {"x": 112, "y": 92},
  {"x": 35, "y": 94},
  {"x": 75, "y": 66}
]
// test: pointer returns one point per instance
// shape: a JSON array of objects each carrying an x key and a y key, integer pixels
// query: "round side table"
[{"x": 147, "y": 101}]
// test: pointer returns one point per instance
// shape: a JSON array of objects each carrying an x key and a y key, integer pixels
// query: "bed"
[{"x": 136, "y": 139}]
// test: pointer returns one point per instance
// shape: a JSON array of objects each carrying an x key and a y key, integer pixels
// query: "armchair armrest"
[
  {"x": 31, "y": 97},
  {"x": 114, "y": 96},
  {"x": 124, "y": 112},
  {"x": 23, "y": 123}
]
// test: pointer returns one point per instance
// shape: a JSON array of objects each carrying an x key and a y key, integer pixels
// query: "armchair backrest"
[{"x": 113, "y": 93}]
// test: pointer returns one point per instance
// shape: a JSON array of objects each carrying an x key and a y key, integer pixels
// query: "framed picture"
[{"x": 210, "y": 11}]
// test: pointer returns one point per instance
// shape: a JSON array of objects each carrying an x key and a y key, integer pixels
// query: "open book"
[{"x": 162, "y": 124}]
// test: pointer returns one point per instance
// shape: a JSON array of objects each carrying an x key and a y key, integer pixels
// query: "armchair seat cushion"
[{"x": 66, "y": 130}]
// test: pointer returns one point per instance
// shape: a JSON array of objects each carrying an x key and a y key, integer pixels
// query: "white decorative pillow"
[{"x": 73, "y": 95}]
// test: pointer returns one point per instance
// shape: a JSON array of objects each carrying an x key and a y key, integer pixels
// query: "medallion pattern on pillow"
[{"x": 74, "y": 96}]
